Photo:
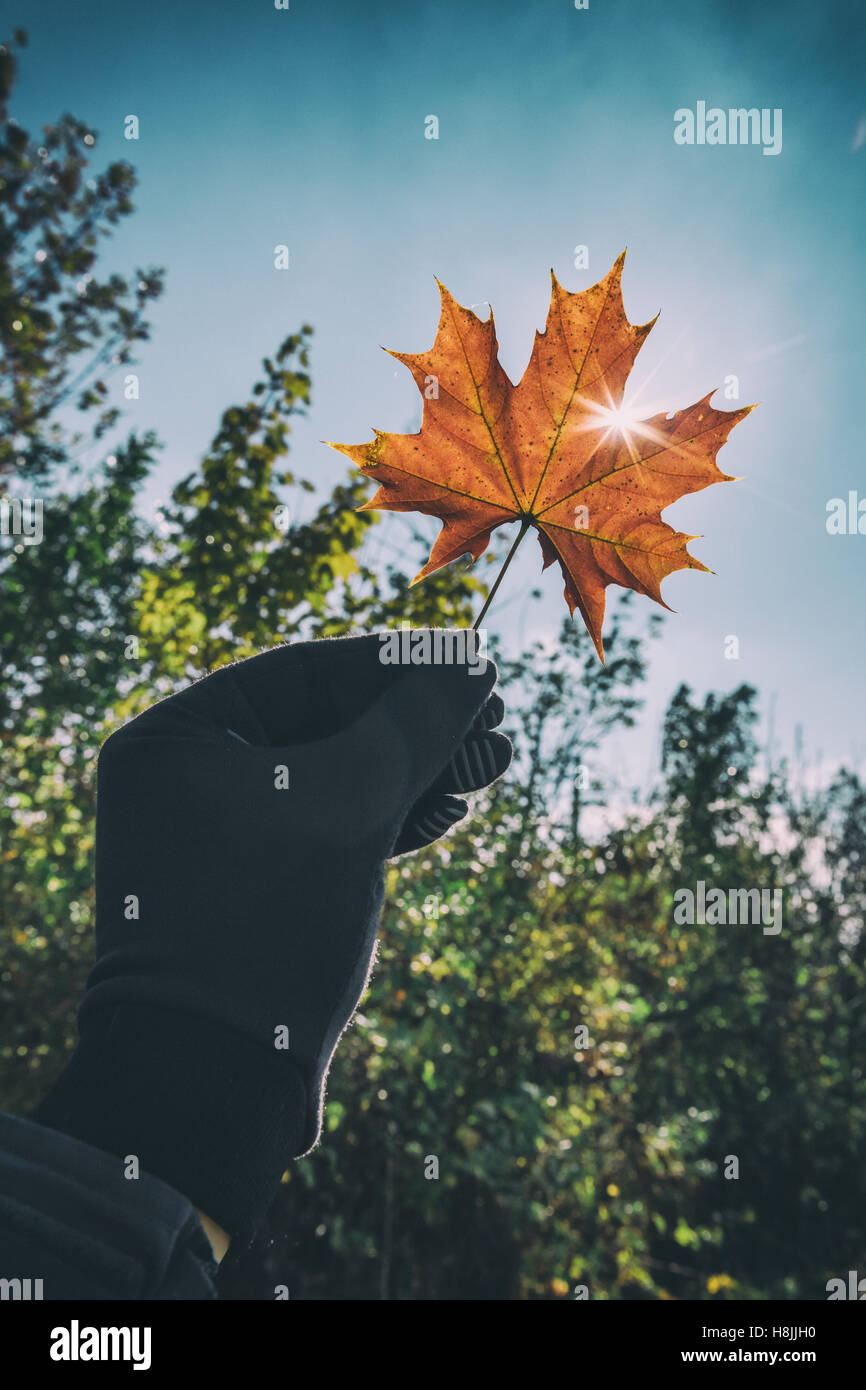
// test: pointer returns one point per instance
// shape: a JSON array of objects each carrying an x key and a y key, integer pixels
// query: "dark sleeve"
[{"x": 70, "y": 1218}]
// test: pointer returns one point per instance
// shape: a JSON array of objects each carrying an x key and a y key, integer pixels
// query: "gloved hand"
[{"x": 243, "y": 827}]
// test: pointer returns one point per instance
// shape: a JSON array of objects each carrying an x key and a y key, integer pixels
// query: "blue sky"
[{"x": 306, "y": 127}]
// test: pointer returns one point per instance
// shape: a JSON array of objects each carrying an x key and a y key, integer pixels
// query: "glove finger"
[
  {"x": 429, "y": 818},
  {"x": 480, "y": 760},
  {"x": 359, "y": 784},
  {"x": 310, "y": 690},
  {"x": 434, "y": 813},
  {"x": 492, "y": 714},
  {"x": 289, "y": 694},
  {"x": 419, "y": 725},
  {"x": 306, "y": 690}
]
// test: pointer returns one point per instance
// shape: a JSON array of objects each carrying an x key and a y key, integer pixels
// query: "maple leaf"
[{"x": 553, "y": 452}]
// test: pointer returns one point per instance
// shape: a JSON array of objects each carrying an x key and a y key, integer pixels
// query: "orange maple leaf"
[{"x": 552, "y": 452}]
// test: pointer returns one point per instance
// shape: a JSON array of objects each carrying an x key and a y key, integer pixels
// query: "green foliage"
[
  {"x": 67, "y": 603},
  {"x": 63, "y": 332}
]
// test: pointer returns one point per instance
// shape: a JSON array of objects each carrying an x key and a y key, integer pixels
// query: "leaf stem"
[{"x": 524, "y": 527}]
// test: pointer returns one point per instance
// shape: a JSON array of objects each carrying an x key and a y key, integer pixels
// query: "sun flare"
[{"x": 625, "y": 422}]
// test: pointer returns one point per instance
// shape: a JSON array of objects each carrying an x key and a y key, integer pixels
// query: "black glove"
[{"x": 242, "y": 831}]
